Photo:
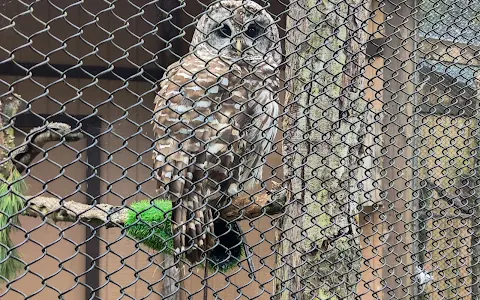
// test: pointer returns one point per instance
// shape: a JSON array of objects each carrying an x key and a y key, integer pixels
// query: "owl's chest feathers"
[
  {"x": 252, "y": 98},
  {"x": 219, "y": 95}
]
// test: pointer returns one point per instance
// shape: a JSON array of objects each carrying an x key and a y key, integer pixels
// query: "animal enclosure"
[{"x": 329, "y": 148}]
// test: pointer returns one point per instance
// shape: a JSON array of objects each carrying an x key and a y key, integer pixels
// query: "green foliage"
[
  {"x": 150, "y": 224},
  {"x": 11, "y": 203}
]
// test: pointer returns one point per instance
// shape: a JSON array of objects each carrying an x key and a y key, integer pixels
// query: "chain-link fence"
[{"x": 167, "y": 149}]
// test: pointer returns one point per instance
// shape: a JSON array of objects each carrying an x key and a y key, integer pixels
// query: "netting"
[{"x": 239, "y": 149}]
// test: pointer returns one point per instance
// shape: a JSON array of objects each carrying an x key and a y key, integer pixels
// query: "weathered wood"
[
  {"x": 446, "y": 110},
  {"x": 56, "y": 210},
  {"x": 324, "y": 123},
  {"x": 475, "y": 202},
  {"x": 443, "y": 94},
  {"x": 434, "y": 49},
  {"x": 9, "y": 106},
  {"x": 115, "y": 216},
  {"x": 397, "y": 181},
  {"x": 439, "y": 50},
  {"x": 446, "y": 51},
  {"x": 37, "y": 138},
  {"x": 420, "y": 236},
  {"x": 248, "y": 207}
]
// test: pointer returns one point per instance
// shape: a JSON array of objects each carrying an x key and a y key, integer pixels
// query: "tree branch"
[
  {"x": 70, "y": 211},
  {"x": 21, "y": 158},
  {"x": 115, "y": 216},
  {"x": 9, "y": 106},
  {"x": 264, "y": 203},
  {"x": 37, "y": 138}
]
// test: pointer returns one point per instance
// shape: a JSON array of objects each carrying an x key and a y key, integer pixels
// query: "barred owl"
[{"x": 215, "y": 120}]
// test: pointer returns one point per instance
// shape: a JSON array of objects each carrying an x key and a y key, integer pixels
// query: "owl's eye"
[
  {"x": 225, "y": 31},
  {"x": 253, "y": 30}
]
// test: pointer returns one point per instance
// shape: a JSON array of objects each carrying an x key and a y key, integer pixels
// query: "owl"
[{"x": 214, "y": 122}]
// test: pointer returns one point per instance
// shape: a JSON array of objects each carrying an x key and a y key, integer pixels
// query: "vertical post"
[
  {"x": 475, "y": 203},
  {"x": 396, "y": 185},
  {"x": 319, "y": 251},
  {"x": 420, "y": 196},
  {"x": 93, "y": 191},
  {"x": 421, "y": 204}
]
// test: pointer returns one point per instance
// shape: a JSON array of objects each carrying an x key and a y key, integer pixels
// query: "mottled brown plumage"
[{"x": 215, "y": 118}]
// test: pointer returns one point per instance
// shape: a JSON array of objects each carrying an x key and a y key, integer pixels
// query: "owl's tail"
[
  {"x": 195, "y": 239},
  {"x": 192, "y": 218}
]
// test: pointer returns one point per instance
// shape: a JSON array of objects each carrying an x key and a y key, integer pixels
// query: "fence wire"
[{"x": 239, "y": 149}]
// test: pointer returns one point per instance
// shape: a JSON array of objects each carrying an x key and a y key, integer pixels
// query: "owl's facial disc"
[
  {"x": 232, "y": 40},
  {"x": 255, "y": 40},
  {"x": 237, "y": 30},
  {"x": 219, "y": 36}
]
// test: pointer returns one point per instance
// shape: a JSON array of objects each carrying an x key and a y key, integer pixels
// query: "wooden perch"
[
  {"x": 36, "y": 140},
  {"x": 263, "y": 203},
  {"x": 110, "y": 215},
  {"x": 70, "y": 211},
  {"x": 115, "y": 216},
  {"x": 20, "y": 158}
]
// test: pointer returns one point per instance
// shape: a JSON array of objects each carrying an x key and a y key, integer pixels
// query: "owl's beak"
[{"x": 238, "y": 45}]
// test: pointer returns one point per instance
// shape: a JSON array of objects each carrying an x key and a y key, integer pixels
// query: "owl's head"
[{"x": 237, "y": 30}]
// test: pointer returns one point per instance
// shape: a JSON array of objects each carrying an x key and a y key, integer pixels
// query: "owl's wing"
[
  {"x": 188, "y": 143},
  {"x": 261, "y": 132}
]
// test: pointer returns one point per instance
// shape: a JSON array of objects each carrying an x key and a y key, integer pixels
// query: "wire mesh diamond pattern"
[{"x": 231, "y": 149}]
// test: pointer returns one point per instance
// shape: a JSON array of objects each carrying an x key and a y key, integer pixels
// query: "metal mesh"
[{"x": 229, "y": 150}]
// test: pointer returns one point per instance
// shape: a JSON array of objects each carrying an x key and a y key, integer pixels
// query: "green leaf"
[{"x": 11, "y": 203}]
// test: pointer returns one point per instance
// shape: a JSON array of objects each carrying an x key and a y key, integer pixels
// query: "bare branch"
[
  {"x": 246, "y": 207},
  {"x": 70, "y": 211},
  {"x": 115, "y": 216},
  {"x": 38, "y": 137}
]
